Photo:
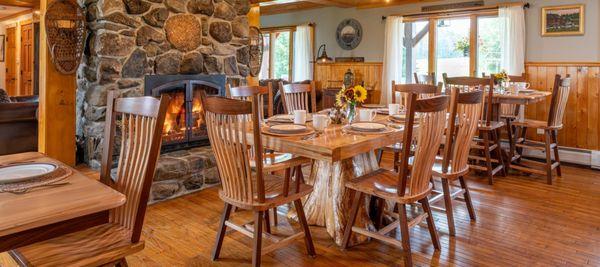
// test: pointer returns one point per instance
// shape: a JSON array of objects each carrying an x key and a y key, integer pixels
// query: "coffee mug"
[
  {"x": 367, "y": 114},
  {"x": 524, "y": 86},
  {"x": 320, "y": 122},
  {"x": 393, "y": 109},
  {"x": 300, "y": 117}
]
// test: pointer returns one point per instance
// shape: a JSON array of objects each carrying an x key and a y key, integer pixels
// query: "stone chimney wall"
[{"x": 132, "y": 38}]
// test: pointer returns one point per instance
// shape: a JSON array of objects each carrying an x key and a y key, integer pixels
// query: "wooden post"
[
  {"x": 253, "y": 20},
  {"x": 57, "y": 104}
]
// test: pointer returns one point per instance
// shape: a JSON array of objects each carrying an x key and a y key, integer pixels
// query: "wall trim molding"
[{"x": 563, "y": 64}]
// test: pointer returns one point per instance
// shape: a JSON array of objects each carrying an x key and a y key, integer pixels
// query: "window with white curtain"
[{"x": 278, "y": 53}]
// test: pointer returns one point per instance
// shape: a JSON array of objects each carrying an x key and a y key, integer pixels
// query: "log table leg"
[{"x": 329, "y": 204}]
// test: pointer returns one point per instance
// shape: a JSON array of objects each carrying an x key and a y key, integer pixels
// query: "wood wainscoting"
[
  {"x": 369, "y": 72},
  {"x": 582, "y": 119}
]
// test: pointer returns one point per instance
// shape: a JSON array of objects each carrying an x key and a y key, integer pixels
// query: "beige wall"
[
  {"x": 572, "y": 48},
  {"x": 16, "y": 22}
]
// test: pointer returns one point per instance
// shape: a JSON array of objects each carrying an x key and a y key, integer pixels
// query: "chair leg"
[
  {"x": 121, "y": 263},
  {"x": 431, "y": 224},
  {"x": 547, "y": 140},
  {"x": 257, "y": 244},
  {"x": 379, "y": 217},
  {"x": 498, "y": 151},
  {"x": 396, "y": 159},
  {"x": 379, "y": 156},
  {"x": 221, "y": 233},
  {"x": 405, "y": 238},
  {"x": 275, "y": 216},
  {"x": 556, "y": 156},
  {"x": 488, "y": 157},
  {"x": 351, "y": 218},
  {"x": 448, "y": 205},
  {"x": 511, "y": 141},
  {"x": 467, "y": 196},
  {"x": 524, "y": 136},
  {"x": 267, "y": 221},
  {"x": 310, "y": 248}
]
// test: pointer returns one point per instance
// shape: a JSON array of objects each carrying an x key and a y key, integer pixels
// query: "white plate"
[
  {"x": 383, "y": 111},
  {"x": 526, "y": 91},
  {"x": 288, "y": 128},
  {"x": 22, "y": 172},
  {"x": 287, "y": 118},
  {"x": 368, "y": 126},
  {"x": 399, "y": 117}
]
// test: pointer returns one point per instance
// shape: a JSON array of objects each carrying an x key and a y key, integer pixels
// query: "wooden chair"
[
  {"x": 488, "y": 142},
  {"x": 410, "y": 185},
  {"x": 142, "y": 119},
  {"x": 428, "y": 78},
  {"x": 273, "y": 162},
  {"x": 558, "y": 105},
  {"x": 400, "y": 95},
  {"x": 465, "y": 110},
  {"x": 299, "y": 97},
  {"x": 241, "y": 188}
]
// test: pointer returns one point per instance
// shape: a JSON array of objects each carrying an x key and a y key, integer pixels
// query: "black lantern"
[{"x": 323, "y": 58}]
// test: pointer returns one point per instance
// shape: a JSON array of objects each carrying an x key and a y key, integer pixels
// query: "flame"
[
  {"x": 174, "y": 118},
  {"x": 197, "y": 111}
]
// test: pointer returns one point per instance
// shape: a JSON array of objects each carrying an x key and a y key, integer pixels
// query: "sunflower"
[
  {"x": 360, "y": 94},
  {"x": 340, "y": 99}
]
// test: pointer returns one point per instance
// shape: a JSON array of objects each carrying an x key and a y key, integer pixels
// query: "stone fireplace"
[{"x": 131, "y": 40}]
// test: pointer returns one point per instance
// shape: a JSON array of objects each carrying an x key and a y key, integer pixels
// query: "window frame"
[
  {"x": 274, "y": 30},
  {"x": 473, "y": 36}
]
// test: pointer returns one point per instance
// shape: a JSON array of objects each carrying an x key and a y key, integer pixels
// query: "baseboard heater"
[{"x": 583, "y": 157}]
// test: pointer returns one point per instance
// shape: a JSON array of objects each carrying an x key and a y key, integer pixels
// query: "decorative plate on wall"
[{"x": 349, "y": 34}]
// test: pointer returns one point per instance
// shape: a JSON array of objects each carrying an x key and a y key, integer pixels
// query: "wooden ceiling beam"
[
  {"x": 384, "y": 3},
  {"x": 336, "y": 3},
  {"x": 21, "y": 3},
  {"x": 288, "y": 8}
]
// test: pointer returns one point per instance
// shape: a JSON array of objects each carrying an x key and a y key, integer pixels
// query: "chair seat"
[
  {"x": 383, "y": 183},
  {"x": 535, "y": 124},
  {"x": 273, "y": 162},
  {"x": 95, "y": 246},
  {"x": 274, "y": 193},
  {"x": 493, "y": 125}
]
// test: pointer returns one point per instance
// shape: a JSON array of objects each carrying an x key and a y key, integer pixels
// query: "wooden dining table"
[
  {"x": 43, "y": 213},
  {"x": 338, "y": 157}
]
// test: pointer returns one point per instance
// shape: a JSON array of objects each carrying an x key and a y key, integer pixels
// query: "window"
[
  {"x": 278, "y": 53},
  {"x": 463, "y": 45}
]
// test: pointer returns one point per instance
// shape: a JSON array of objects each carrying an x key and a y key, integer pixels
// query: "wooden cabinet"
[{"x": 328, "y": 77}]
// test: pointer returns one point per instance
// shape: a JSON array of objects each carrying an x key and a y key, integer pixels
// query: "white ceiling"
[{"x": 6, "y": 11}]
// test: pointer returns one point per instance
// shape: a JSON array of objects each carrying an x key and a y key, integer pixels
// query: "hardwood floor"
[{"x": 520, "y": 221}]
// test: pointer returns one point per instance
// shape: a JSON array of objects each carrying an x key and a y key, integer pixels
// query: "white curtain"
[
  {"x": 303, "y": 53},
  {"x": 512, "y": 20},
  {"x": 392, "y": 56}
]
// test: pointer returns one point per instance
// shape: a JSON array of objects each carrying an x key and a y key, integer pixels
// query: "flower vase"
[{"x": 350, "y": 112}]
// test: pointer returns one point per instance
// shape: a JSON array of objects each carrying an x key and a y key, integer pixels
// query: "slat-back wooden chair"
[
  {"x": 299, "y": 97},
  {"x": 410, "y": 185},
  {"x": 465, "y": 111},
  {"x": 488, "y": 142},
  {"x": 400, "y": 94},
  {"x": 428, "y": 78},
  {"x": 142, "y": 121},
  {"x": 258, "y": 192},
  {"x": 273, "y": 162},
  {"x": 558, "y": 105}
]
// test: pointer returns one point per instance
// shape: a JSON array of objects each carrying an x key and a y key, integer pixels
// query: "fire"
[
  {"x": 197, "y": 112},
  {"x": 175, "y": 117}
]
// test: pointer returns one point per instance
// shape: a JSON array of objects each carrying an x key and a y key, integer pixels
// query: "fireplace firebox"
[{"x": 184, "y": 126}]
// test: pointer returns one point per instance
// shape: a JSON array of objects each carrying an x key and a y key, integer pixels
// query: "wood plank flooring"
[{"x": 521, "y": 221}]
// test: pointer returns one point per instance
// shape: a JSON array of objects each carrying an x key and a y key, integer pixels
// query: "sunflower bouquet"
[
  {"x": 501, "y": 78},
  {"x": 348, "y": 98}
]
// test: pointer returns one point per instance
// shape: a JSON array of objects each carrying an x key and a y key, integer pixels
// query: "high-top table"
[
  {"x": 48, "y": 212},
  {"x": 338, "y": 157}
]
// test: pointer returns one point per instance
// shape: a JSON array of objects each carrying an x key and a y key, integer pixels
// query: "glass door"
[
  {"x": 416, "y": 58},
  {"x": 453, "y": 47},
  {"x": 489, "y": 52}
]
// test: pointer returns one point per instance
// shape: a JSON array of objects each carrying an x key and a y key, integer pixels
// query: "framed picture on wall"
[
  {"x": 2, "y": 50},
  {"x": 563, "y": 20}
]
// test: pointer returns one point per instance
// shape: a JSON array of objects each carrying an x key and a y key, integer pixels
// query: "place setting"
[
  {"x": 366, "y": 124},
  {"x": 20, "y": 178},
  {"x": 289, "y": 124}
]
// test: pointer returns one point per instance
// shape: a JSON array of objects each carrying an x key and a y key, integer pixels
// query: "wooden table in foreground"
[
  {"x": 48, "y": 212},
  {"x": 339, "y": 157}
]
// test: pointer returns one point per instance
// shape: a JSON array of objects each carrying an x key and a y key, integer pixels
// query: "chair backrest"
[
  {"x": 432, "y": 119},
  {"x": 560, "y": 97},
  {"x": 227, "y": 131},
  {"x": 428, "y": 78},
  {"x": 468, "y": 84},
  {"x": 465, "y": 110},
  {"x": 299, "y": 97},
  {"x": 261, "y": 92},
  {"x": 140, "y": 121},
  {"x": 400, "y": 92}
]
